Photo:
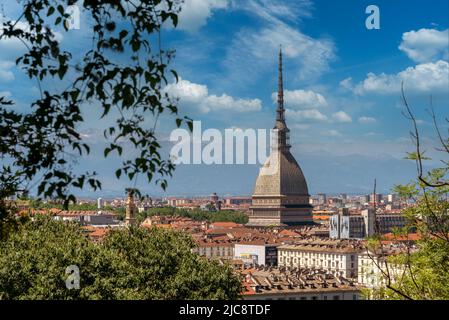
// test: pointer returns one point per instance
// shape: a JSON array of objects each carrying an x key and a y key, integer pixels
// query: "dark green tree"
[{"x": 133, "y": 263}]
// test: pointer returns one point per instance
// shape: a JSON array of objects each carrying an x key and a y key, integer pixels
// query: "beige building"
[
  {"x": 215, "y": 250},
  {"x": 373, "y": 271},
  {"x": 331, "y": 256}
]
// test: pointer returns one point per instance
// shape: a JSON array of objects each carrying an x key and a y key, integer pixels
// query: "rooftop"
[{"x": 262, "y": 280}]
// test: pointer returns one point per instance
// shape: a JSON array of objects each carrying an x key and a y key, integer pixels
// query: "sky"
[{"x": 341, "y": 80}]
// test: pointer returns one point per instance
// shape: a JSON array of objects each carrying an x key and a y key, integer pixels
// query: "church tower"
[
  {"x": 130, "y": 215},
  {"x": 281, "y": 196}
]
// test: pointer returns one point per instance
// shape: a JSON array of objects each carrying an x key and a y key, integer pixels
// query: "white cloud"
[
  {"x": 346, "y": 83},
  {"x": 254, "y": 52},
  {"x": 14, "y": 43},
  {"x": 197, "y": 96},
  {"x": 427, "y": 77},
  {"x": 426, "y": 45},
  {"x": 302, "y": 99},
  {"x": 366, "y": 120},
  {"x": 5, "y": 94},
  {"x": 5, "y": 71},
  {"x": 306, "y": 115},
  {"x": 331, "y": 133},
  {"x": 194, "y": 13},
  {"x": 341, "y": 116},
  {"x": 273, "y": 11}
]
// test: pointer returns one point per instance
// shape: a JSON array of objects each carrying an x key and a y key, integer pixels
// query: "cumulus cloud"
[
  {"x": 346, "y": 83},
  {"x": 194, "y": 13},
  {"x": 341, "y": 116},
  {"x": 423, "y": 78},
  {"x": 366, "y": 120},
  {"x": 302, "y": 99},
  {"x": 5, "y": 71},
  {"x": 196, "y": 96},
  {"x": 311, "y": 115},
  {"x": 426, "y": 45}
]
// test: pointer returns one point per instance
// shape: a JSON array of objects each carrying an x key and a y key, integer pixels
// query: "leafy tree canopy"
[{"x": 133, "y": 263}]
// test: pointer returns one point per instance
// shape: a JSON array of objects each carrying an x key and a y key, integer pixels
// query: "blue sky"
[{"x": 341, "y": 80}]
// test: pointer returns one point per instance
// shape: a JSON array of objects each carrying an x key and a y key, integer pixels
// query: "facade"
[
  {"x": 322, "y": 199},
  {"x": 317, "y": 255},
  {"x": 88, "y": 217},
  {"x": 344, "y": 226},
  {"x": 215, "y": 250},
  {"x": 281, "y": 284},
  {"x": 280, "y": 195},
  {"x": 259, "y": 254},
  {"x": 372, "y": 269},
  {"x": 238, "y": 201}
]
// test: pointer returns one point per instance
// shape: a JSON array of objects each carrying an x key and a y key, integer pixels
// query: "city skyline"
[{"x": 224, "y": 150}]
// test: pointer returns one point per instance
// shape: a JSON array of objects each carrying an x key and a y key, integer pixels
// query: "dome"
[{"x": 281, "y": 175}]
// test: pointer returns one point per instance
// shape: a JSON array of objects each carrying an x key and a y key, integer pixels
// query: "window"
[
  {"x": 354, "y": 297},
  {"x": 314, "y": 298},
  {"x": 324, "y": 297},
  {"x": 336, "y": 297}
]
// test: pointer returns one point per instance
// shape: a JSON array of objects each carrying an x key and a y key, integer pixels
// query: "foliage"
[
  {"x": 197, "y": 214},
  {"x": 134, "y": 263},
  {"x": 124, "y": 69},
  {"x": 426, "y": 266}
]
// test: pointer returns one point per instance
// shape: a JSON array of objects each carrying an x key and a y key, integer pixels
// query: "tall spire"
[
  {"x": 280, "y": 108},
  {"x": 281, "y": 126}
]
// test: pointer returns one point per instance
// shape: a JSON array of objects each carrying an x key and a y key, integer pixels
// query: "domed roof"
[{"x": 281, "y": 175}]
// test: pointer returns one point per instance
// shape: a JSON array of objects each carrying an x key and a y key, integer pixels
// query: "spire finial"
[
  {"x": 281, "y": 126},
  {"x": 280, "y": 109}
]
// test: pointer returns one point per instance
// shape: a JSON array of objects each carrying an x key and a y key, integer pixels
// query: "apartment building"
[{"x": 337, "y": 257}]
